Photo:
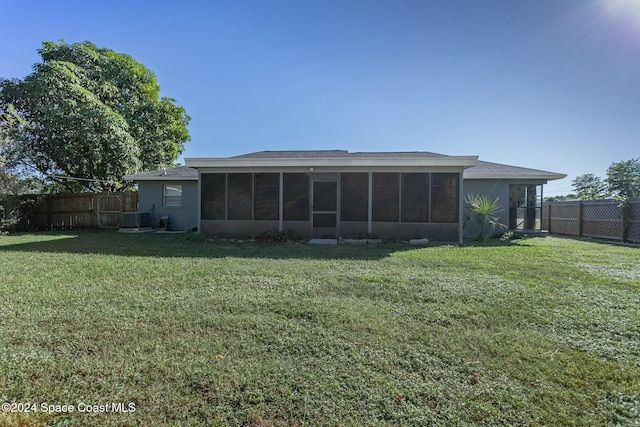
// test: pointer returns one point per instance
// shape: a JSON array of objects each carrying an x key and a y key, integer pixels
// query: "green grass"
[{"x": 529, "y": 332}]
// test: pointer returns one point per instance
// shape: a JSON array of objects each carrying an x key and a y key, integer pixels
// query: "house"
[
  {"x": 333, "y": 193},
  {"x": 171, "y": 193}
]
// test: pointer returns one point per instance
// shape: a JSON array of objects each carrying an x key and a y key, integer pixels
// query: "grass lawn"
[{"x": 541, "y": 331}]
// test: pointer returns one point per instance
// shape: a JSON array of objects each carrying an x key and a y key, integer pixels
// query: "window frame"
[{"x": 166, "y": 197}]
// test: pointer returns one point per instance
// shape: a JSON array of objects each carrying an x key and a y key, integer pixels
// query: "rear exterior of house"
[
  {"x": 169, "y": 193},
  {"x": 330, "y": 194},
  {"x": 519, "y": 189}
]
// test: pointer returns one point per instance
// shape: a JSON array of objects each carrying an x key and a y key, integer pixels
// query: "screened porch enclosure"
[
  {"x": 346, "y": 204},
  {"x": 525, "y": 207}
]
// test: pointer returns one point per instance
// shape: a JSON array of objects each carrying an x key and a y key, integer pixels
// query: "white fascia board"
[{"x": 361, "y": 161}]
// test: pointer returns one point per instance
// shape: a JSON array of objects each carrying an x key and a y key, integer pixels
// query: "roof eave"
[
  {"x": 160, "y": 178},
  {"x": 549, "y": 177}
]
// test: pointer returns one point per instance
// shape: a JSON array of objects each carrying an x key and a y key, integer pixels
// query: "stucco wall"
[
  {"x": 492, "y": 188},
  {"x": 181, "y": 218},
  {"x": 496, "y": 188}
]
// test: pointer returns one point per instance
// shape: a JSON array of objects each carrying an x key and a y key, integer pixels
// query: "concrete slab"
[{"x": 323, "y": 242}]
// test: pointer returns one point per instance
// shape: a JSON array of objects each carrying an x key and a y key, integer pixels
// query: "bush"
[
  {"x": 15, "y": 212},
  {"x": 482, "y": 212},
  {"x": 196, "y": 236},
  {"x": 275, "y": 235},
  {"x": 510, "y": 235}
]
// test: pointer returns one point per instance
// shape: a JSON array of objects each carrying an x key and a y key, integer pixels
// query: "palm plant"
[{"x": 483, "y": 212}]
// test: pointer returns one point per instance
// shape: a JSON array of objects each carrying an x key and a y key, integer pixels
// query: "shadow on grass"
[
  {"x": 496, "y": 242},
  {"x": 180, "y": 245},
  {"x": 607, "y": 242}
]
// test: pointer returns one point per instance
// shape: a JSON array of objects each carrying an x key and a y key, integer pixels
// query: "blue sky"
[{"x": 547, "y": 84}]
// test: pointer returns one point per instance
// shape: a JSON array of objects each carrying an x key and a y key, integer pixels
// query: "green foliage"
[
  {"x": 482, "y": 211},
  {"x": 561, "y": 198},
  {"x": 274, "y": 235},
  {"x": 510, "y": 235},
  {"x": 623, "y": 179},
  {"x": 90, "y": 113},
  {"x": 590, "y": 187},
  {"x": 15, "y": 212},
  {"x": 196, "y": 236}
]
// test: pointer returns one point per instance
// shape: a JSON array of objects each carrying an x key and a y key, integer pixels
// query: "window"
[
  {"x": 213, "y": 190},
  {"x": 354, "y": 197},
  {"x": 266, "y": 196},
  {"x": 296, "y": 197},
  {"x": 240, "y": 196},
  {"x": 444, "y": 197},
  {"x": 172, "y": 195},
  {"x": 415, "y": 197},
  {"x": 386, "y": 197}
]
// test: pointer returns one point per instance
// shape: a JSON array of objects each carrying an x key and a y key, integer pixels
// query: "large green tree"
[
  {"x": 92, "y": 114},
  {"x": 623, "y": 179},
  {"x": 590, "y": 187}
]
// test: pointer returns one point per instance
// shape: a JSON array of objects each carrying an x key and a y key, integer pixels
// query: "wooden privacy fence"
[
  {"x": 601, "y": 219},
  {"x": 70, "y": 211}
]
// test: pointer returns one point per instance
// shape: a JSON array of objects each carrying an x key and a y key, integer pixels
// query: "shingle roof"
[
  {"x": 483, "y": 170},
  {"x": 489, "y": 170},
  {"x": 179, "y": 173},
  {"x": 306, "y": 154}
]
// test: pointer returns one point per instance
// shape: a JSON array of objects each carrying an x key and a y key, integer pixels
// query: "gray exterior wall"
[
  {"x": 492, "y": 188},
  {"x": 495, "y": 188},
  {"x": 181, "y": 218}
]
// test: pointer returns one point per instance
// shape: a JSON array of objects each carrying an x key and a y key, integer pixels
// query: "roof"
[
  {"x": 180, "y": 173},
  {"x": 488, "y": 170},
  {"x": 475, "y": 169},
  {"x": 309, "y": 154},
  {"x": 334, "y": 159}
]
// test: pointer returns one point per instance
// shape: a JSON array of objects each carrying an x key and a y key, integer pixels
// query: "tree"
[
  {"x": 624, "y": 179},
  {"x": 590, "y": 187},
  {"x": 91, "y": 114},
  {"x": 483, "y": 211},
  {"x": 5, "y": 177}
]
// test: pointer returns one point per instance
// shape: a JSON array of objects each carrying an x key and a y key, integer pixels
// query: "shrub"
[
  {"x": 482, "y": 212},
  {"x": 274, "y": 235},
  {"x": 196, "y": 237}
]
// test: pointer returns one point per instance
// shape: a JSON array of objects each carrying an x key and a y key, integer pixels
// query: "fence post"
[
  {"x": 624, "y": 209},
  {"x": 49, "y": 205},
  {"x": 580, "y": 219}
]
